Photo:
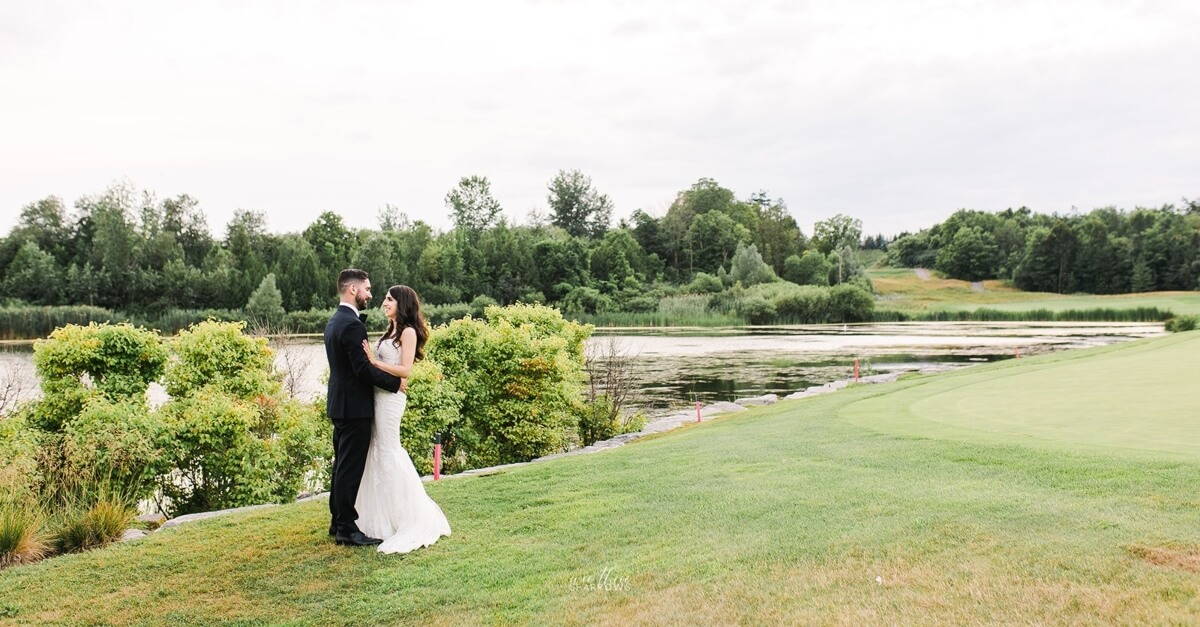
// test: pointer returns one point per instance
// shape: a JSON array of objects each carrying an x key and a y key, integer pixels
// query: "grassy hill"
[
  {"x": 1054, "y": 489},
  {"x": 902, "y": 289}
]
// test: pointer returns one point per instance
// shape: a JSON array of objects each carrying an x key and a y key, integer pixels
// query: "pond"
[{"x": 677, "y": 367}]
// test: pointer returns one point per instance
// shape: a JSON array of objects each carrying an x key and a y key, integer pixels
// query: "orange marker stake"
[
  {"x": 697, "y": 411},
  {"x": 437, "y": 462},
  {"x": 856, "y": 371}
]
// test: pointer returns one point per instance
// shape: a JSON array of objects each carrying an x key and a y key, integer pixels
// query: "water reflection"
[{"x": 676, "y": 367}]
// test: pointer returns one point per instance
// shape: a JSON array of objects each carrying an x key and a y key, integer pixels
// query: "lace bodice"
[{"x": 386, "y": 352}]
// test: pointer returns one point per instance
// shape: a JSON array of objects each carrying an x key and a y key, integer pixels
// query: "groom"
[{"x": 351, "y": 403}]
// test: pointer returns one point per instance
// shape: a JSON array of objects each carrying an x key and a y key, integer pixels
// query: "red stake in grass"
[
  {"x": 437, "y": 461},
  {"x": 697, "y": 411},
  {"x": 1017, "y": 352},
  {"x": 856, "y": 371}
]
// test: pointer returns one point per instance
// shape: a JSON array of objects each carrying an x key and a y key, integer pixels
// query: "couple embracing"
[{"x": 377, "y": 497}]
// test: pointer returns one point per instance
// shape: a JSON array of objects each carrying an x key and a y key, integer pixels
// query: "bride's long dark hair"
[{"x": 408, "y": 314}]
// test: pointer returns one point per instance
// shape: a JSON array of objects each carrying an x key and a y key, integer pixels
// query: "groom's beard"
[{"x": 361, "y": 301}]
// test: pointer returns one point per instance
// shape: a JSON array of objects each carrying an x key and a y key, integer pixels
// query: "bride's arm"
[{"x": 408, "y": 352}]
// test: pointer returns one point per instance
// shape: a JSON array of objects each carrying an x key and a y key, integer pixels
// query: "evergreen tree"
[{"x": 265, "y": 307}]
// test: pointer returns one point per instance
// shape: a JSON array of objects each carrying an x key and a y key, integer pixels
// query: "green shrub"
[
  {"x": 808, "y": 304},
  {"x": 434, "y": 405},
  {"x": 219, "y": 354},
  {"x": 756, "y": 309},
  {"x": 520, "y": 372},
  {"x": 587, "y": 300},
  {"x": 600, "y": 420},
  {"x": 20, "y": 534},
  {"x": 704, "y": 283},
  {"x": 1179, "y": 324},
  {"x": 377, "y": 321},
  {"x": 849, "y": 303},
  {"x": 438, "y": 315},
  {"x": 309, "y": 321},
  {"x": 118, "y": 444},
  {"x": 89, "y": 527},
  {"x": 296, "y": 437},
  {"x": 119, "y": 360},
  {"x": 532, "y": 297},
  {"x": 480, "y": 303},
  {"x": 218, "y": 447},
  {"x": 231, "y": 439}
]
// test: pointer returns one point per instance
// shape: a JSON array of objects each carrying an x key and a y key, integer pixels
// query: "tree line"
[
  {"x": 129, "y": 251},
  {"x": 1104, "y": 251}
]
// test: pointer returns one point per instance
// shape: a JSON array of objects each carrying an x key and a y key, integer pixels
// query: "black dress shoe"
[{"x": 356, "y": 538}]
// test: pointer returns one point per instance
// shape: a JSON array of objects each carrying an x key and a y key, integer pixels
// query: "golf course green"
[
  {"x": 1059, "y": 489},
  {"x": 1141, "y": 399}
]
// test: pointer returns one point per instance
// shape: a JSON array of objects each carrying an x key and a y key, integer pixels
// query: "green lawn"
[
  {"x": 790, "y": 513},
  {"x": 902, "y": 290},
  {"x": 1025, "y": 404}
]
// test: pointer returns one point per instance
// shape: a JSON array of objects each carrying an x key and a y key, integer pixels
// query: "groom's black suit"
[{"x": 351, "y": 407}]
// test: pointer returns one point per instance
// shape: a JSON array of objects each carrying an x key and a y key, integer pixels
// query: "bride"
[{"x": 391, "y": 502}]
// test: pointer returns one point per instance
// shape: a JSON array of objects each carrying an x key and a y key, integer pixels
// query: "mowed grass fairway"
[
  {"x": 1008, "y": 492},
  {"x": 901, "y": 289}
]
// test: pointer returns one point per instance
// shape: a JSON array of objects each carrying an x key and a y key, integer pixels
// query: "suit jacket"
[{"x": 352, "y": 378}]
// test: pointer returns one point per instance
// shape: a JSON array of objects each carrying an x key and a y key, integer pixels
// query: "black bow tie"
[{"x": 363, "y": 317}]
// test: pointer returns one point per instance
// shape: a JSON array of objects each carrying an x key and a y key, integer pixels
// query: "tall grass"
[
  {"x": 1180, "y": 324},
  {"x": 27, "y": 322},
  {"x": 173, "y": 321},
  {"x": 656, "y": 319},
  {"x": 684, "y": 310},
  {"x": 1098, "y": 314}
]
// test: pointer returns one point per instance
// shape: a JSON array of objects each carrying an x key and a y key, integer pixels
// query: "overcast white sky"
[{"x": 895, "y": 112}]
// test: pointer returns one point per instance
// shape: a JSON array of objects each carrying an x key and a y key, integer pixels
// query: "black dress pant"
[{"x": 351, "y": 439}]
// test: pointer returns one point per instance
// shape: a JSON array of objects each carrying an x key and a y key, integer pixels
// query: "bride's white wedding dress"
[{"x": 392, "y": 504}]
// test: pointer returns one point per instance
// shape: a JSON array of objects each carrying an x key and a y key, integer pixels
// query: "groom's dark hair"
[{"x": 348, "y": 276}]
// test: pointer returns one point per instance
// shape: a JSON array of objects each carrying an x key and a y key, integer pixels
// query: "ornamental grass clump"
[
  {"x": 21, "y": 541},
  {"x": 81, "y": 527}
]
